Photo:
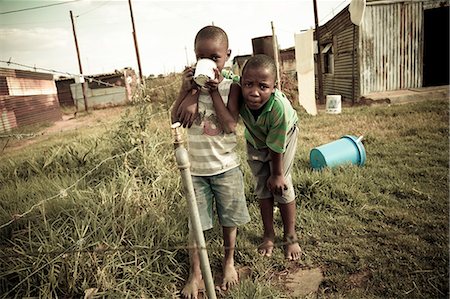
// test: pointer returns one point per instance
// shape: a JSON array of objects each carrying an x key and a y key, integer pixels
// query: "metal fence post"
[{"x": 183, "y": 163}]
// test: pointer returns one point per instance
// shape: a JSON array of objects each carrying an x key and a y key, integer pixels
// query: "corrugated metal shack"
[
  {"x": 399, "y": 45},
  {"x": 27, "y": 98},
  {"x": 103, "y": 90},
  {"x": 263, "y": 45},
  {"x": 287, "y": 61}
]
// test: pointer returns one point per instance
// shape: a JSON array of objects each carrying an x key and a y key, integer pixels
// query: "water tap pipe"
[{"x": 182, "y": 158}]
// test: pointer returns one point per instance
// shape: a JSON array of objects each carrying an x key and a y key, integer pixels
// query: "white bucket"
[{"x": 333, "y": 104}]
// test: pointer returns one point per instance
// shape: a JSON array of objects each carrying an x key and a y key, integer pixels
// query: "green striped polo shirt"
[{"x": 273, "y": 124}]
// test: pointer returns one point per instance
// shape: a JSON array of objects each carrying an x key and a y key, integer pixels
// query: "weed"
[{"x": 106, "y": 210}]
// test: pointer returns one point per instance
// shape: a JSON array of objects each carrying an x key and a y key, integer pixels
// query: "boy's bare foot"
[
  {"x": 230, "y": 277},
  {"x": 190, "y": 290},
  {"x": 292, "y": 250},
  {"x": 266, "y": 248}
]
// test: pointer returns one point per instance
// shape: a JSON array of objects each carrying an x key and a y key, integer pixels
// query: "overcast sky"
[{"x": 43, "y": 37}]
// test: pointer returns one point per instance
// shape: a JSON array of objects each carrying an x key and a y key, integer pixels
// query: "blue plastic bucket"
[{"x": 347, "y": 150}]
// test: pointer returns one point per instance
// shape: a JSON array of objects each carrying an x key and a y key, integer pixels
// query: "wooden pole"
[
  {"x": 319, "y": 58},
  {"x": 275, "y": 53},
  {"x": 136, "y": 43},
  {"x": 83, "y": 85}
]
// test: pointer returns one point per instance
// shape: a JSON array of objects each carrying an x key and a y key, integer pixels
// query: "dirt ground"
[
  {"x": 93, "y": 118},
  {"x": 69, "y": 122}
]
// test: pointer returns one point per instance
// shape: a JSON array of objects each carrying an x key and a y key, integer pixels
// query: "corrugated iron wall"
[
  {"x": 391, "y": 47},
  {"x": 339, "y": 32},
  {"x": 27, "y": 98},
  {"x": 340, "y": 81}
]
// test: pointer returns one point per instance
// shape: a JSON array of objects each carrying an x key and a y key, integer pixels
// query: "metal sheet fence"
[
  {"x": 391, "y": 45},
  {"x": 27, "y": 98}
]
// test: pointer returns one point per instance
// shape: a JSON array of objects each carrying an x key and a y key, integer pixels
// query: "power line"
[
  {"x": 36, "y": 7},
  {"x": 90, "y": 10},
  {"x": 333, "y": 11}
]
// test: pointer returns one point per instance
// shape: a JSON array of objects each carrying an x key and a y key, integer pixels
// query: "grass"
[{"x": 109, "y": 215}]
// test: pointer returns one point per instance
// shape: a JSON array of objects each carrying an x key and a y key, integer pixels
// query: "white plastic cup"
[{"x": 204, "y": 71}]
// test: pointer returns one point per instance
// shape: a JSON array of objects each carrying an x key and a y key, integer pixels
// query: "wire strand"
[
  {"x": 15, "y": 217},
  {"x": 37, "y": 7},
  {"x": 106, "y": 250}
]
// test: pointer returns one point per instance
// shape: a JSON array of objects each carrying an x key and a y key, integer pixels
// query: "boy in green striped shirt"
[{"x": 271, "y": 134}]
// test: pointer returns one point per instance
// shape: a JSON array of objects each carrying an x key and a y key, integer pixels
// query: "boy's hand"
[
  {"x": 188, "y": 110},
  {"x": 212, "y": 85},
  {"x": 276, "y": 184},
  {"x": 187, "y": 83}
]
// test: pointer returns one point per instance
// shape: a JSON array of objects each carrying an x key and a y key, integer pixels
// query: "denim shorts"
[
  {"x": 225, "y": 192},
  {"x": 260, "y": 164}
]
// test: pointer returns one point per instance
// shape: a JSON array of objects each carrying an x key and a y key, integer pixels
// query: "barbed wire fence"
[
  {"x": 141, "y": 91},
  {"x": 77, "y": 246}
]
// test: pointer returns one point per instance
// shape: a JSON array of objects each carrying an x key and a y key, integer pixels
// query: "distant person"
[
  {"x": 271, "y": 134},
  {"x": 216, "y": 175}
]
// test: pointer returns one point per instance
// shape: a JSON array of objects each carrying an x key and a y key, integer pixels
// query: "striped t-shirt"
[
  {"x": 211, "y": 150},
  {"x": 271, "y": 127}
]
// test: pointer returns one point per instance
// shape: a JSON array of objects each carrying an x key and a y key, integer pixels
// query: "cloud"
[{"x": 36, "y": 39}]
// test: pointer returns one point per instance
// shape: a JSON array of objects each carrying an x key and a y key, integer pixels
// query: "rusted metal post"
[
  {"x": 83, "y": 84},
  {"x": 184, "y": 165},
  {"x": 275, "y": 55},
  {"x": 319, "y": 58}
]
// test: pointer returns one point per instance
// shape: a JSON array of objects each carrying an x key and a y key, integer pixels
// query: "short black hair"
[
  {"x": 261, "y": 60},
  {"x": 211, "y": 32}
]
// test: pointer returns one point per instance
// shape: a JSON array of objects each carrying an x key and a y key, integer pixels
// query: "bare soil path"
[{"x": 69, "y": 122}]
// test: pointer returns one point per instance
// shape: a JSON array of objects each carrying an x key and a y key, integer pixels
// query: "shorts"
[
  {"x": 226, "y": 190},
  {"x": 260, "y": 164}
]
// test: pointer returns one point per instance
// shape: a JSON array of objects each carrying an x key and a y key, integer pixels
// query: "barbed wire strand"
[
  {"x": 20, "y": 136},
  {"x": 130, "y": 248},
  {"x": 56, "y": 72},
  {"x": 64, "y": 191},
  {"x": 90, "y": 78},
  {"x": 15, "y": 217}
]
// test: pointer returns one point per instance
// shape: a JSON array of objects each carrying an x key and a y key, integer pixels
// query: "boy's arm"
[
  {"x": 276, "y": 183},
  {"x": 185, "y": 89},
  {"x": 188, "y": 108},
  {"x": 174, "y": 112},
  {"x": 227, "y": 115}
]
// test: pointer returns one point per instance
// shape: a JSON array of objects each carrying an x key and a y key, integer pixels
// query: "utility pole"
[
  {"x": 319, "y": 58},
  {"x": 83, "y": 84},
  {"x": 136, "y": 43},
  {"x": 275, "y": 54}
]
